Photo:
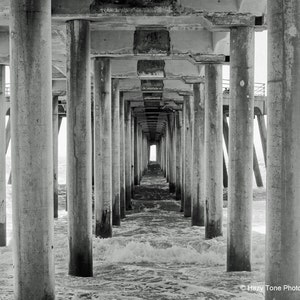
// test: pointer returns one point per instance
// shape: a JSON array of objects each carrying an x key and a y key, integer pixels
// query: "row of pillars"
[
  {"x": 32, "y": 155},
  {"x": 191, "y": 151},
  {"x": 121, "y": 150}
]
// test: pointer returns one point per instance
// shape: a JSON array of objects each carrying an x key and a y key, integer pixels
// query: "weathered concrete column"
[
  {"x": 188, "y": 154},
  {"x": 103, "y": 147},
  {"x": 7, "y": 133},
  {"x": 168, "y": 146},
  {"x": 198, "y": 162},
  {"x": 214, "y": 150},
  {"x": 140, "y": 153},
  {"x": 136, "y": 152},
  {"x": 79, "y": 148},
  {"x": 32, "y": 156},
  {"x": 256, "y": 169},
  {"x": 146, "y": 153},
  {"x": 225, "y": 174},
  {"x": 183, "y": 156},
  {"x": 122, "y": 158},
  {"x": 158, "y": 151},
  {"x": 172, "y": 153},
  {"x": 128, "y": 176},
  {"x": 163, "y": 154},
  {"x": 283, "y": 148},
  {"x": 55, "y": 154},
  {"x": 93, "y": 140},
  {"x": 132, "y": 154},
  {"x": 2, "y": 159},
  {"x": 178, "y": 155},
  {"x": 115, "y": 139},
  {"x": 241, "y": 113}
]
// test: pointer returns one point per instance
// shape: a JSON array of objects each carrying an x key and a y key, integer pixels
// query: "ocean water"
[{"x": 155, "y": 254}]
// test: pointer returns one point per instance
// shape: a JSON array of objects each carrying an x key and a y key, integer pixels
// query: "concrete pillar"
[
  {"x": 183, "y": 157},
  {"x": 122, "y": 158},
  {"x": 140, "y": 153},
  {"x": 283, "y": 150},
  {"x": 128, "y": 176},
  {"x": 93, "y": 140},
  {"x": 115, "y": 138},
  {"x": 163, "y": 154},
  {"x": 132, "y": 154},
  {"x": 225, "y": 174},
  {"x": 55, "y": 154},
  {"x": 103, "y": 147},
  {"x": 226, "y": 137},
  {"x": 188, "y": 155},
  {"x": 178, "y": 155},
  {"x": 167, "y": 153},
  {"x": 172, "y": 152},
  {"x": 198, "y": 162},
  {"x": 32, "y": 155},
  {"x": 2, "y": 159},
  {"x": 7, "y": 134},
  {"x": 158, "y": 152},
  {"x": 226, "y": 132},
  {"x": 241, "y": 112},
  {"x": 256, "y": 169},
  {"x": 214, "y": 150},
  {"x": 79, "y": 148},
  {"x": 7, "y": 138},
  {"x": 136, "y": 152},
  {"x": 144, "y": 154}
]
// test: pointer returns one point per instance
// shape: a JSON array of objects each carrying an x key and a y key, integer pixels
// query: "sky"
[{"x": 260, "y": 68}]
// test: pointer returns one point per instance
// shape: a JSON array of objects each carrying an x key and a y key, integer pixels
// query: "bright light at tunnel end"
[{"x": 153, "y": 153}]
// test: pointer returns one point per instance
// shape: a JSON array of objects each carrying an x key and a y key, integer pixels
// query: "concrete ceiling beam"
[{"x": 150, "y": 8}]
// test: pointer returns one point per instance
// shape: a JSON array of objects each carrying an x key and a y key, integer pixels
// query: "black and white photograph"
[{"x": 149, "y": 149}]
